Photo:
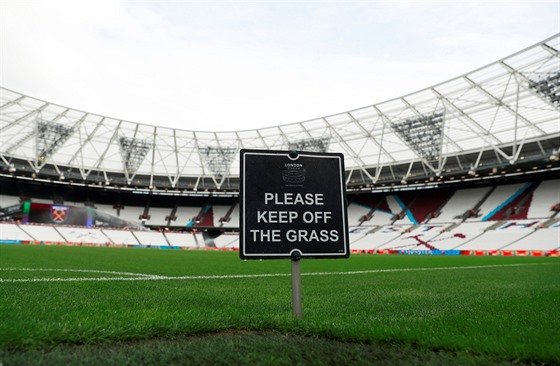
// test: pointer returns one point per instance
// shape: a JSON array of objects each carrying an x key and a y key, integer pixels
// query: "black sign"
[{"x": 292, "y": 203}]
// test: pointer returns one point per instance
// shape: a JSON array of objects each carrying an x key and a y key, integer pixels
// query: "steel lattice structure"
[{"x": 499, "y": 115}]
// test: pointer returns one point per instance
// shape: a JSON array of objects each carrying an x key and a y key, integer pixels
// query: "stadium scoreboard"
[{"x": 292, "y": 204}]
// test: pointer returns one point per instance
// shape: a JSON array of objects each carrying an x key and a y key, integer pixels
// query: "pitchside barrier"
[{"x": 505, "y": 253}]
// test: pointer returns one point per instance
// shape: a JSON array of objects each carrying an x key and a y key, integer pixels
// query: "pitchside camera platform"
[{"x": 292, "y": 203}]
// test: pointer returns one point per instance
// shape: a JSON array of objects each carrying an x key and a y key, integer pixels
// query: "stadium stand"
[
  {"x": 460, "y": 203},
  {"x": 399, "y": 206},
  {"x": 185, "y": 240},
  {"x": 109, "y": 209},
  {"x": 7, "y": 201},
  {"x": 131, "y": 213},
  {"x": 233, "y": 221},
  {"x": 426, "y": 204},
  {"x": 358, "y": 214},
  {"x": 357, "y": 236},
  {"x": 498, "y": 200},
  {"x": 199, "y": 238},
  {"x": 158, "y": 216},
  {"x": 43, "y": 233},
  {"x": 121, "y": 237},
  {"x": 151, "y": 238},
  {"x": 419, "y": 238},
  {"x": 441, "y": 169},
  {"x": 544, "y": 197},
  {"x": 500, "y": 235},
  {"x": 227, "y": 241},
  {"x": 453, "y": 237},
  {"x": 11, "y": 233},
  {"x": 541, "y": 239},
  {"x": 474, "y": 235},
  {"x": 380, "y": 237},
  {"x": 380, "y": 217},
  {"x": 42, "y": 200},
  {"x": 205, "y": 217},
  {"x": 82, "y": 235},
  {"x": 220, "y": 214},
  {"x": 185, "y": 216}
]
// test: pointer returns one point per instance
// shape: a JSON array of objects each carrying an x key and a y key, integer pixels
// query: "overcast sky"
[{"x": 234, "y": 65}]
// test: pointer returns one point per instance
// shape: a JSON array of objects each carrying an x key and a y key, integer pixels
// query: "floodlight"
[
  {"x": 133, "y": 151},
  {"x": 422, "y": 134},
  {"x": 218, "y": 159},
  {"x": 312, "y": 145},
  {"x": 548, "y": 87}
]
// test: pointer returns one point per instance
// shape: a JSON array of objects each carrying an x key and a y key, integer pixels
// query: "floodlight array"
[
  {"x": 311, "y": 145},
  {"x": 218, "y": 159},
  {"x": 422, "y": 134},
  {"x": 50, "y": 136},
  {"x": 133, "y": 152},
  {"x": 548, "y": 87}
]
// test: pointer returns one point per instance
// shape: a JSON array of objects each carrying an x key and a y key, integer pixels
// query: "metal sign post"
[
  {"x": 292, "y": 206},
  {"x": 297, "y": 307}
]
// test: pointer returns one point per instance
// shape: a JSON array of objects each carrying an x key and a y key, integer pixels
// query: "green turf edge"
[{"x": 254, "y": 347}]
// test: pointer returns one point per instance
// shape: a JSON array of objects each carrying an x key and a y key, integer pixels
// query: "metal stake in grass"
[
  {"x": 296, "y": 284},
  {"x": 297, "y": 308}
]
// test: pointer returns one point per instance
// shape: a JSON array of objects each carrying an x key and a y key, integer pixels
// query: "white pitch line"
[
  {"x": 147, "y": 277},
  {"x": 79, "y": 270},
  {"x": 428, "y": 269}
]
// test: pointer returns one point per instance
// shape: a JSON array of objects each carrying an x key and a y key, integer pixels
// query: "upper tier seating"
[
  {"x": 108, "y": 209},
  {"x": 131, "y": 213},
  {"x": 220, "y": 213},
  {"x": 6, "y": 201},
  {"x": 426, "y": 203},
  {"x": 546, "y": 195},
  {"x": 498, "y": 199},
  {"x": 158, "y": 216},
  {"x": 185, "y": 215},
  {"x": 233, "y": 218},
  {"x": 356, "y": 213},
  {"x": 461, "y": 201}
]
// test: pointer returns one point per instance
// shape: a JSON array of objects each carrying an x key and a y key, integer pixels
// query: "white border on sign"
[{"x": 342, "y": 197}]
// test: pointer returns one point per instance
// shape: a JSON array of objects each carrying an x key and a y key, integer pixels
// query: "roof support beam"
[
  {"x": 499, "y": 103},
  {"x": 483, "y": 135},
  {"x": 348, "y": 149}
]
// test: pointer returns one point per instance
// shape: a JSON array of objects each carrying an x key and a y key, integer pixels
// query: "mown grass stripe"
[{"x": 148, "y": 277}]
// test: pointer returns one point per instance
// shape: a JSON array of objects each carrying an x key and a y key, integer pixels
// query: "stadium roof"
[{"x": 501, "y": 114}]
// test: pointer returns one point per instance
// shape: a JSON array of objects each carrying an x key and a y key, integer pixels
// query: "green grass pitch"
[{"x": 86, "y": 305}]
